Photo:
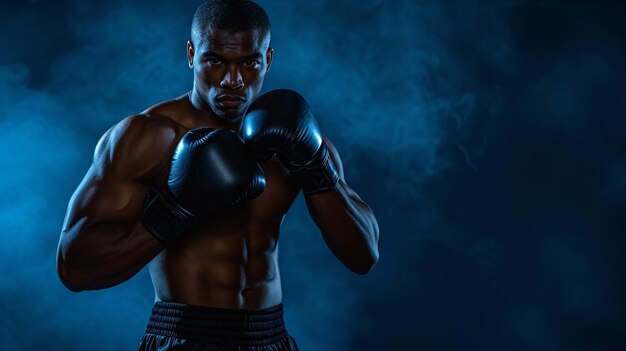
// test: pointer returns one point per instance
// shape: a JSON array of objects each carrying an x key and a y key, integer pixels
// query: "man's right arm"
[{"x": 103, "y": 242}]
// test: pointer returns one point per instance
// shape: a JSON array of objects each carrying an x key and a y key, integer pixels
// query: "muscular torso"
[{"x": 229, "y": 260}]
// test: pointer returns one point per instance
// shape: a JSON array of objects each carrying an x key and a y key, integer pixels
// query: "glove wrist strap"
[
  {"x": 319, "y": 174},
  {"x": 165, "y": 218}
]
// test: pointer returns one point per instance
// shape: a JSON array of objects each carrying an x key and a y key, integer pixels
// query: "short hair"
[{"x": 231, "y": 15}]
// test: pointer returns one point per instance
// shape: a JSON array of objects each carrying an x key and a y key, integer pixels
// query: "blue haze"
[{"x": 487, "y": 136}]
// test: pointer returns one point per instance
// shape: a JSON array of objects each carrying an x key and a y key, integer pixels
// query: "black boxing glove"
[
  {"x": 281, "y": 122},
  {"x": 210, "y": 171}
]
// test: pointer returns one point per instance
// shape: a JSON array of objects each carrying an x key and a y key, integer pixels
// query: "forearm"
[
  {"x": 101, "y": 255},
  {"x": 348, "y": 226}
]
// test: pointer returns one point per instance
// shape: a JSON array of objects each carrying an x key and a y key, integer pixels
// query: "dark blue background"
[{"x": 487, "y": 136}]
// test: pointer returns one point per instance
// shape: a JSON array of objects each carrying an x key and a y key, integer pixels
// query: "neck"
[{"x": 200, "y": 106}]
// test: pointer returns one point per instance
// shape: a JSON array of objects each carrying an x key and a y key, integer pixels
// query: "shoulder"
[
  {"x": 153, "y": 125},
  {"x": 137, "y": 145},
  {"x": 137, "y": 131},
  {"x": 176, "y": 110}
]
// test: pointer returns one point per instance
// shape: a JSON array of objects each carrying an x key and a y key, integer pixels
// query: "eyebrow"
[
  {"x": 254, "y": 56},
  {"x": 214, "y": 54},
  {"x": 211, "y": 53}
]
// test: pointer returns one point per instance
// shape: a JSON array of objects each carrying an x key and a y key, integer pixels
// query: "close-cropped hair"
[{"x": 230, "y": 15}]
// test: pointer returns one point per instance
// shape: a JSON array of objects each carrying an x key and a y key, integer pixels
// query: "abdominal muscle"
[{"x": 230, "y": 262}]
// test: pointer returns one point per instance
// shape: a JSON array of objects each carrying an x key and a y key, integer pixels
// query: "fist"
[{"x": 281, "y": 122}]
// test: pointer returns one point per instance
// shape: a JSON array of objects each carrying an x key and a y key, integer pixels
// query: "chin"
[{"x": 230, "y": 115}]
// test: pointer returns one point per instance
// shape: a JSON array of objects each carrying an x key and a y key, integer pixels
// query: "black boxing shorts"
[{"x": 176, "y": 326}]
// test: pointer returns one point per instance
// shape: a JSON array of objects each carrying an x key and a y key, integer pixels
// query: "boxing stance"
[{"x": 197, "y": 187}]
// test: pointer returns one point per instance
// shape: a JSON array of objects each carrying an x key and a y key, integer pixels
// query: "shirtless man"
[{"x": 197, "y": 188}]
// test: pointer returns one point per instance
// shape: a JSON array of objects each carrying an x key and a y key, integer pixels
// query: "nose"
[{"x": 232, "y": 80}]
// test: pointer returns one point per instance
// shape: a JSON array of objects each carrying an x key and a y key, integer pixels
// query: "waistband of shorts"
[{"x": 218, "y": 325}]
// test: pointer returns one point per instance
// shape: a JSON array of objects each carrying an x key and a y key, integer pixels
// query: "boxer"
[{"x": 197, "y": 187}]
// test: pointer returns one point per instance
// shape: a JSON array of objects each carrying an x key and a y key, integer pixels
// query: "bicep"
[
  {"x": 125, "y": 159},
  {"x": 101, "y": 199}
]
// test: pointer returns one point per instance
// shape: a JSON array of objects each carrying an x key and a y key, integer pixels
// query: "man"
[{"x": 182, "y": 189}]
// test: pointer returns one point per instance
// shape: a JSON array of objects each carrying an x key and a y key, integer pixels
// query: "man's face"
[{"x": 229, "y": 69}]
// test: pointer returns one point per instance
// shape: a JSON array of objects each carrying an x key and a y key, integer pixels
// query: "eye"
[
  {"x": 250, "y": 62},
  {"x": 213, "y": 61}
]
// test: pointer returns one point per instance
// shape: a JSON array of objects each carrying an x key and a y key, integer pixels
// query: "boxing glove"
[
  {"x": 211, "y": 169},
  {"x": 281, "y": 122}
]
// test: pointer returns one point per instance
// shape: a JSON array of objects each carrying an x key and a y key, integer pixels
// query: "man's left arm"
[{"x": 347, "y": 223}]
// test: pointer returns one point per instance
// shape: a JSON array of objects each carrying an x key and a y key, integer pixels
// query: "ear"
[
  {"x": 190, "y": 53},
  {"x": 268, "y": 57}
]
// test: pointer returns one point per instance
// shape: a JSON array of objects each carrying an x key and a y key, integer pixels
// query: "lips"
[{"x": 230, "y": 101}]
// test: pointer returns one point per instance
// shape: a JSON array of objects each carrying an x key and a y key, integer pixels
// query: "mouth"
[{"x": 227, "y": 101}]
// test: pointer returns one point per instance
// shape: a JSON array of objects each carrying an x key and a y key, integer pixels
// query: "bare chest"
[{"x": 249, "y": 228}]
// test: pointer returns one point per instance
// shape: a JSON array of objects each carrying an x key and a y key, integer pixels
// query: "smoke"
[
  {"x": 486, "y": 136},
  {"x": 51, "y": 119}
]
